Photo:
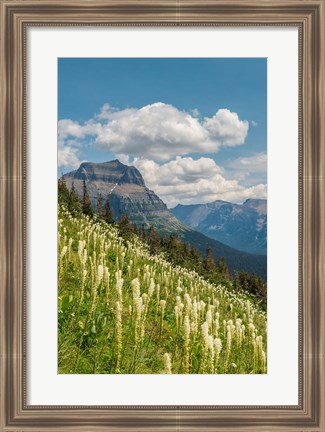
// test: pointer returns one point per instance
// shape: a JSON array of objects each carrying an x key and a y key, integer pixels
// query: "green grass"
[{"x": 108, "y": 327}]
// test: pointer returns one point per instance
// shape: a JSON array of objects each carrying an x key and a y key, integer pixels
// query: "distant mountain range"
[
  {"x": 242, "y": 227},
  {"x": 128, "y": 194}
]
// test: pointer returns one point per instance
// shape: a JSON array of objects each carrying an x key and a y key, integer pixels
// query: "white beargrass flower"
[
  {"x": 81, "y": 246},
  {"x": 188, "y": 303},
  {"x": 63, "y": 251},
  {"x": 186, "y": 332},
  {"x": 135, "y": 285},
  {"x": 100, "y": 274},
  {"x": 151, "y": 288},
  {"x": 217, "y": 350},
  {"x": 251, "y": 327},
  {"x": 118, "y": 335},
  {"x": 106, "y": 282},
  {"x": 205, "y": 333},
  {"x": 194, "y": 318},
  {"x": 263, "y": 362},
  {"x": 119, "y": 286},
  {"x": 167, "y": 364},
  {"x": 84, "y": 257},
  {"x": 145, "y": 298},
  {"x": 162, "y": 306},
  {"x": 228, "y": 346},
  {"x": 82, "y": 288},
  {"x": 209, "y": 318}
]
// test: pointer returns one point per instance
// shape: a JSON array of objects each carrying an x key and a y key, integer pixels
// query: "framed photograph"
[{"x": 162, "y": 201}]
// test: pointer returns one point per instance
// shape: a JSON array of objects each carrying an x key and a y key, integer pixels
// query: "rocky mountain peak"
[
  {"x": 111, "y": 172},
  {"x": 259, "y": 205},
  {"x": 241, "y": 226}
]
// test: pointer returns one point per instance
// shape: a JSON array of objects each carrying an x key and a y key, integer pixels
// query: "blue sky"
[{"x": 212, "y": 110}]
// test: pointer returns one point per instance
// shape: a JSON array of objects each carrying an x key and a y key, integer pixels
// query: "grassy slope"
[{"x": 107, "y": 326}]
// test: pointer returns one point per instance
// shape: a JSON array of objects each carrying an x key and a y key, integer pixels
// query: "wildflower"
[
  {"x": 100, "y": 274},
  {"x": 217, "y": 350},
  {"x": 118, "y": 334},
  {"x": 167, "y": 364},
  {"x": 63, "y": 252},
  {"x": 119, "y": 285}
]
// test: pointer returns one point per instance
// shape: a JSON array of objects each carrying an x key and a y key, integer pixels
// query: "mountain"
[
  {"x": 242, "y": 227},
  {"x": 127, "y": 191},
  {"x": 128, "y": 194}
]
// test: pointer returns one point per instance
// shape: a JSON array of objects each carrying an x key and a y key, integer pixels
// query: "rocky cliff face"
[
  {"x": 243, "y": 227},
  {"x": 127, "y": 192}
]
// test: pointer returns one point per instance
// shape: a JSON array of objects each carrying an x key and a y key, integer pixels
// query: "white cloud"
[
  {"x": 189, "y": 181},
  {"x": 252, "y": 164},
  {"x": 68, "y": 129},
  {"x": 70, "y": 136},
  {"x": 226, "y": 127},
  {"x": 68, "y": 157},
  {"x": 158, "y": 131},
  {"x": 125, "y": 159},
  {"x": 195, "y": 112}
]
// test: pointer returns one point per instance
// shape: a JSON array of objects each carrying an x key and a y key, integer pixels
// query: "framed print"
[{"x": 162, "y": 172}]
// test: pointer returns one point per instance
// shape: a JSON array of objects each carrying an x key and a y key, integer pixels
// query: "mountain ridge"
[
  {"x": 128, "y": 194},
  {"x": 241, "y": 226}
]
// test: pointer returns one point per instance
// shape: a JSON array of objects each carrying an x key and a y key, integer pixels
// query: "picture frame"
[{"x": 16, "y": 16}]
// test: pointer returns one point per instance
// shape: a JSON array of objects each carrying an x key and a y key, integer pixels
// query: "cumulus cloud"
[
  {"x": 158, "y": 138},
  {"x": 195, "y": 112},
  {"x": 189, "y": 181},
  {"x": 252, "y": 164},
  {"x": 158, "y": 131},
  {"x": 226, "y": 127},
  {"x": 68, "y": 157},
  {"x": 70, "y": 141}
]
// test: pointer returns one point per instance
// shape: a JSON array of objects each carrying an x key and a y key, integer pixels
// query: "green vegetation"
[{"x": 125, "y": 308}]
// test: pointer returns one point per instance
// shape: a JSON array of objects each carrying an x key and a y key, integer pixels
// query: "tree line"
[{"x": 176, "y": 251}]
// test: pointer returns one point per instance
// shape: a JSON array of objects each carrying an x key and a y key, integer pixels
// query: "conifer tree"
[
  {"x": 75, "y": 206},
  {"x": 125, "y": 226},
  {"x": 209, "y": 264},
  {"x": 86, "y": 203},
  {"x": 143, "y": 233},
  {"x": 99, "y": 205},
  {"x": 196, "y": 257},
  {"x": 108, "y": 213},
  {"x": 154, "y": 240},
  {"x": 63, "y": 191},
  {"x": 223, "y": 269}
]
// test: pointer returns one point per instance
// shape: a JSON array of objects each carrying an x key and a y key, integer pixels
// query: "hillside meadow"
[{"x": 124, "y": 311}]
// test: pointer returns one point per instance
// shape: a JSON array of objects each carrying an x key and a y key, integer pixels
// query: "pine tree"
[
  {"x": 99, "y": 206},
  {"x": 63, "y": 191},
  {"x": 154, "y": 241},
  {"x": 75, "y": 205},
  {"x": 209, "y": 264},
  {"x": 108, "y": 213},
  {"x": 223, "y": 269},
  {"x": 196, "y": 257},
  {"x": 86, "y": 203},
  {"x": 125, "y": 226},
  {"x": 173, "y": 247}
]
